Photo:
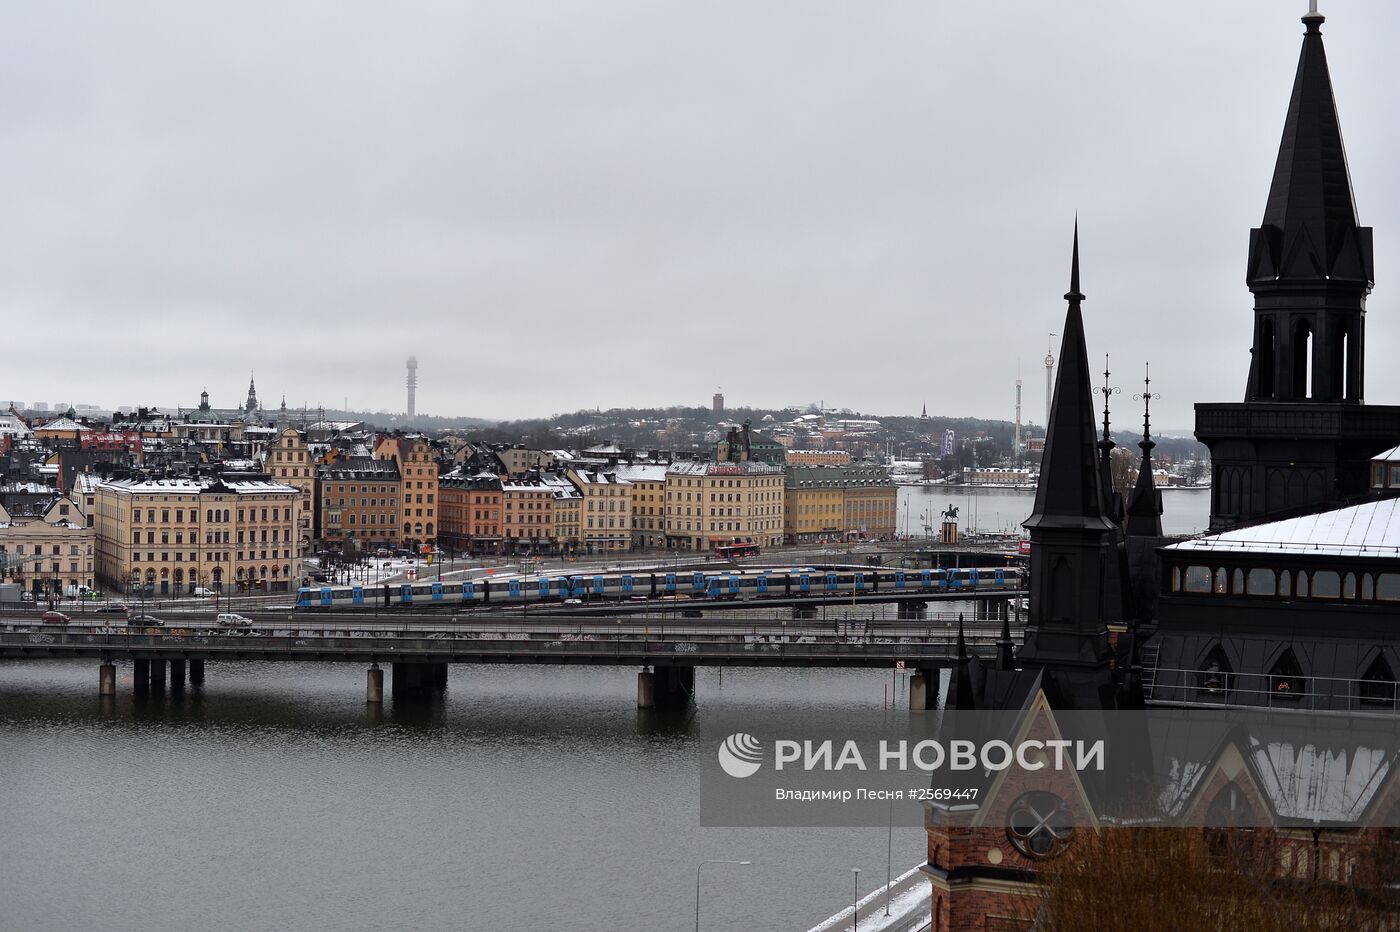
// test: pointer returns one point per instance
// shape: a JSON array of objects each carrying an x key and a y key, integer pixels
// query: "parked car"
[
  {"x": 113, "y": 608},
  {"x": 54, "y": 618},
  {"x": 200, "y": 592},
  {"x": 230, "y": 620},
  {"x": 145, "y": 621}
]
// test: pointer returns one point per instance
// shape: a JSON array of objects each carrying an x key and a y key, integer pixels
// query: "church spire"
[
  {"x": 1310, "y": 263},
  {"x": 1309, "y": 230},
  {"x": 1070, "y": 492},
  {"x": 1145, "y": 503}
]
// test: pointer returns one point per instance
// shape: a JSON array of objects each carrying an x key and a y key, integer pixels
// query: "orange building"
[
  {"x": 470, "y": 512},
  {"x": 419, "y": 474}
]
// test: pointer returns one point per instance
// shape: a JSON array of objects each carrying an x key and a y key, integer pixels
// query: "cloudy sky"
[{"x": 566, "y": 203}]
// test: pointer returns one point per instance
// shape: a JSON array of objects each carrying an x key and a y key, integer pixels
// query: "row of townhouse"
[{"x": 690, "y": 505}]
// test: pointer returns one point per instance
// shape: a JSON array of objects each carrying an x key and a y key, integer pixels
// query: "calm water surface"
[
  {"x": 1184, "y": 511},
  {"x": 270, "y": 798}
]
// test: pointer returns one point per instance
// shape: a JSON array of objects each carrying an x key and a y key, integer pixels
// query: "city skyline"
[{"x": 899, "y": 178}]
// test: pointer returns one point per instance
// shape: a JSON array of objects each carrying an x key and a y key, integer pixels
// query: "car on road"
[
  {"x": 145, "y": 621},
  {"x": 200, "y": 592},
  {"x": 113, "y": 608},
  {"x": 573, "y": 601},
  {"x": 230, "y": 620},
  {"x": 54, "y": 618}
]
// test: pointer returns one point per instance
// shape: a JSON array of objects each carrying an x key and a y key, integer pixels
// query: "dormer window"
[{"x": 1286, "y": 678}]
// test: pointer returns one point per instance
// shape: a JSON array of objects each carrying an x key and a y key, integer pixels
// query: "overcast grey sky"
[{"x": 568, "y": 204}]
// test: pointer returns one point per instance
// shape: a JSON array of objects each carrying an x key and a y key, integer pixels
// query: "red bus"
[{"x": 736, "y": 550}]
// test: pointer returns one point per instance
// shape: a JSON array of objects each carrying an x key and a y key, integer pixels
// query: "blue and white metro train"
[{"x": 746, "y": 584}]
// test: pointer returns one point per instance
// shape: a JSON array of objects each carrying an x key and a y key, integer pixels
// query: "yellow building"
[
  {"x": 419, "y": 473},
  {"x": 607, "y": 510},
  {"x": 175, "y": 535},
  {"x": 709, "y": 504},
  {"x": 648, "y": 504},
  {"x": 568, "y": 513},
  {"x": 49, "y": 554},
  {"x": 289, "y": 462},
  {"x": 527, "y": 515},
  {"x": 818, "y": 458},
  {"x": 836, "y": 502}
]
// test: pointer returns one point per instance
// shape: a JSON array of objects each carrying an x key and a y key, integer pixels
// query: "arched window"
[
  {"x": 1260, "y": 581},
  {"x": 1349, "y": 586},
  {"x": 1368, "y": 587},
  {"x": 1326, "y": 584},
  {"x": 1285, "y": 583},
  {"x": 1302, "y": 585},
  {"x": 1216, "y": 677},
  {"x": 1377, "y": 685},
  {"x": 1197, "y": 579},
  {"x": 1237, "y": 582},
  {"x": 1229, "y": 824},
  {"x": 1302, "y": 360},
  {"x": 1286, "y": 677},
  {"x": 1220, "y": 582}
]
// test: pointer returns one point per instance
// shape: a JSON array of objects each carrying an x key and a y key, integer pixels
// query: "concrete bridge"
[{"x": 419, "y": 648}]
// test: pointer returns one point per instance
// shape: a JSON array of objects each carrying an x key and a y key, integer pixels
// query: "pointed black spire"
[
  {"x": 1145, "y": 504},
  {"x": 1006, "y": 648},
  {"x": 1309, "y": 231},
  {"x": 1070, "y": 492},
  {"x": 962, "y": 641}
]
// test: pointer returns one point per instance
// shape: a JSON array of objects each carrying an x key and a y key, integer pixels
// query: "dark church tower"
[
  {"x": 1071, "y": 534},
  {"x": 1301, "y": 439}
]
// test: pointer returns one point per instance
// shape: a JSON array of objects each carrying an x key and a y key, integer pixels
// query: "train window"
[
  {"x": 1197, "y": 579},
  {"x": 1260, "y": 582}
]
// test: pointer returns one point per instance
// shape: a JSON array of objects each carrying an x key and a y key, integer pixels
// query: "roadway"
[{"x": 435, "y": 639}]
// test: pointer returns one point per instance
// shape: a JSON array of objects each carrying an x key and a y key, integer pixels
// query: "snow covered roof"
[
  {"x": 642, "y": 472},
  {"x": 63, "y": 423},
  {"x": 1389, "y": 456},
  {"x": 1371, "y": 529},
  {"x": 194, "y": 486}
]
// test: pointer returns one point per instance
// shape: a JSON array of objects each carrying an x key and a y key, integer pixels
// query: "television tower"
[
  {"x": 1016, "y": 444},
  {"x": 412, "y": 387},
  {"x": 1049, "y": 378}
]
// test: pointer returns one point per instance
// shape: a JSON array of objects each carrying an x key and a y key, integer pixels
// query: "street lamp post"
[
  {"x": 697, "y": 884},
  {"x": 855, "y": 900}
]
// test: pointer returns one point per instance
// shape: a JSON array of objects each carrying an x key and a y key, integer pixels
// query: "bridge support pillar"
[
  {"x": 141, "y": 676},
  {"x": 646, "y": 690},
  {"x": 158, "y": 676},
  {"x": 440, "y": 677},
  {"x": 177, "y": 674},
  {"x": 923, "y": 689},
  {"x": 107, "y": 679},
  {"x": 674, "y": 686},
  {"x": 374, "y": 685},
  {"x": 414, "y": 681},
  {"x": 196, "y": 672}
]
